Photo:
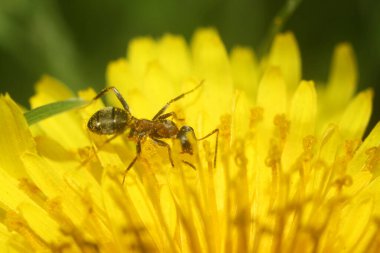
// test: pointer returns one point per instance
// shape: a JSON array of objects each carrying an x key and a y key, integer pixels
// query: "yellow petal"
[
  {"x": 357, "y": 215},
  {"x": 135, "y": 88},
  {"x": 211, "y": 64},
  {"x": 71, "y": 136},
  {"x": 174, "y": 56},
  {"x": 362, "y": 159},
  {"x": 244, "y": 69},
  {"x": 303, "y": 112},
  {"x": 168, "y": 209},
  {"x": 50, "y": 90},
  {"x": 46, "y": 178},
  {"x": 51, "y": 178},
  {"x": 17, "y": 224},
  {"x": 42, "y": 224},
  {"x": 330, "y": 141},
  {"x": 15, "y": 137},
  {"x": 210, "y": 58},
  {"x": 11, "y": 242},
  {"x": 356, "y": 116},
  {"x": 285, "y": 55},
  {"x": 373, "y": 191},
  {"x": 120, "y": 75},
  {"x": 11, "y": 196},
  {"x": 272, "y": 99},
  {"x": 141, "y": 52},
  {"x": 141, "y": 94},
  {"x": 240, "y": 115},
  {"x": 271, "y": 95},
  {"x": 343, "y": 76},
  {"x": 143, "y": 209},
  {"x": 156, "y": 81}
]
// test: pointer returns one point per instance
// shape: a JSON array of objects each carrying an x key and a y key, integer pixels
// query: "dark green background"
[{"x": 74, "y": 40}]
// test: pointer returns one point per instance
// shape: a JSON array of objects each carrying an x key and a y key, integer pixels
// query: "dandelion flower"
[{"x": 293, "y": 172}]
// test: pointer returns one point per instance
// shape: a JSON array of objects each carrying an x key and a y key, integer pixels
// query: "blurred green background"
[{"x": 74, "y": 40}]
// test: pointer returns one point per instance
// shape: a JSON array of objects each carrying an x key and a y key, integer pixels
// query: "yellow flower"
[{"x": 292, "y": 172}]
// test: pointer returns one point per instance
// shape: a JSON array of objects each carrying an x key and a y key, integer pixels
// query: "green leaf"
[{"x": 49, "y": 110}]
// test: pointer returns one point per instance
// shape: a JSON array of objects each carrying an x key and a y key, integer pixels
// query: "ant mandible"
[{"x": 115, "y": 121}]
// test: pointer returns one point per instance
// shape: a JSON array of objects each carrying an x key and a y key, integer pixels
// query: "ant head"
[
  {"x": 186, "y": 139},
  {"x": 109, "y": 120}
]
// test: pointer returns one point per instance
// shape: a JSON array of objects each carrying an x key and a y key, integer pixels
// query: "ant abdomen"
[{"x": 108, "y": 121}]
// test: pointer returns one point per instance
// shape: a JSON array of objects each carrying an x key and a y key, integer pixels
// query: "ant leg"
[
  {"x": 163, "y": 109},
  {"x": 189, "y": 164},
  {"x": 110, "y": 139},
  {"x": 164, "y": 144},
  {"x": 216, "y": 142},
  {"x": 138, "y": 152},
  {"x": 116, "y": 92},
  {"x": 100, "y": 147},
  {"x": 167, "y": 115}
]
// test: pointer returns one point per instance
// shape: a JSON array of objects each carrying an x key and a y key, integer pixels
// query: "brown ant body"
[{"x": 115, "y": 121}]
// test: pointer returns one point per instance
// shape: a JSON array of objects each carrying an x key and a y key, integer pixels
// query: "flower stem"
[{"x": 277, "y": 25}]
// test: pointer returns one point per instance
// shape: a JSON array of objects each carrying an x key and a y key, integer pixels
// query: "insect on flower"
[{"x": 115, "y": 121}]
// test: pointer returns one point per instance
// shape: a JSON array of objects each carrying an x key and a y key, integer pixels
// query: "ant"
[{"x": 115, "y": 121}]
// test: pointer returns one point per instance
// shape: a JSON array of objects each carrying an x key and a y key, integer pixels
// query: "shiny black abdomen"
[{"x": 109, "y": 120}]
